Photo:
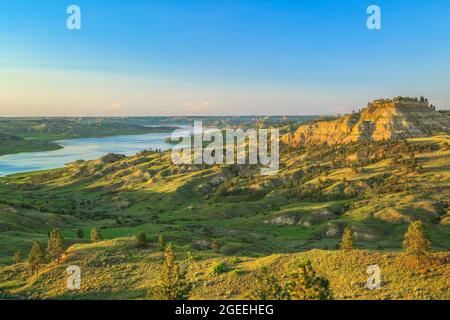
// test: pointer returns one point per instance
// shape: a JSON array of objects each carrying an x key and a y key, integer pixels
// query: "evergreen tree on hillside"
[
  {"x": 35, "y": 259},
  {"x": 141, "y": 240},
  {"x": 80, "y": 233},
  {"x": 417, "y": 244},
  {"x": 162, "y": 242},
  {"x": 307, "y": 285},
  {"x": 172, "y": 285},
  {"x": 17, "y": 257},
  {"x": 55, "y": 246},
  {"x": 267, "y": 287},
  {"x": 96, "y": 235},
  {"x": 347, "y": 239}
]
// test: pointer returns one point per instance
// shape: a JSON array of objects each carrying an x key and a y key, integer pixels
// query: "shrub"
[
  {"x": 191, "y": 257},
  {"x": 267, "y": 287},
  {"x": 237, "y": 272},
  {"x": 234, "y": 260},
  {"x": 219, "y": 268},
  {"x": 305, "y": 284}
]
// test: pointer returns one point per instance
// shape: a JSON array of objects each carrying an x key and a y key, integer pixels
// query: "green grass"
[
  {"x": 173, "y": 205},
  {"x": 26, "y": 145},
  {"x": 115, "y": 269},
  {"x": 147, "y": 193}
]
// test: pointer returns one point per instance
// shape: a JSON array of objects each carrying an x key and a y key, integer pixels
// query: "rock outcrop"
[{"x": 381, "y": 120}]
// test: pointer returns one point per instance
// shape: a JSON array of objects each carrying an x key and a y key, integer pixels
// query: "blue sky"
[{"x": 165, "y": 57}]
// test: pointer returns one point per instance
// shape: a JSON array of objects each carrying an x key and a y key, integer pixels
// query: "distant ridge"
[
  {"x": 7, "y": 137},
  {"x": 382, "y": 119}
]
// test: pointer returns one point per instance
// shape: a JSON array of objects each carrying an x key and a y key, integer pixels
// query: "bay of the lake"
[{"x": 81, "y": 149}]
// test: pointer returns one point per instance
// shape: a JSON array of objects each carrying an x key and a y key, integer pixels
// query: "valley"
[
  {"x": 233, "y": 217},
  {"x": 39, "y": 134}
]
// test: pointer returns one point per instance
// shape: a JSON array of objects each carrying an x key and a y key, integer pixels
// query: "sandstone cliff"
[{"x": 381, "y": 120}]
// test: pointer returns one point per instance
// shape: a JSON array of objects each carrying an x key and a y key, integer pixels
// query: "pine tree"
[
  {"x": 162, "y": 242},
  {"x": 35, "y": 258},
  {"x": 141, "y": 240},
  {"x": 347, "y": 239},
  {"x": 417, "y": 245},
  {"x": 80, "y": 233},
  {"x": 96, "y": 235},
  {"x": 55, "y": 246},
  {"x": 305, "y": 284},
  {"x": 267, "y": 287},
  {"x": 17, "y": 257},
  {"x": 172, "y": 285}
]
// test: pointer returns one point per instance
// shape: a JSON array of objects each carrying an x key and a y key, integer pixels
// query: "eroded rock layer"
[{"x": 381, "y": 120}]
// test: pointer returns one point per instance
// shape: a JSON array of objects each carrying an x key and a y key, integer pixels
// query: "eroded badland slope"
[{"x": 399, "y": 118}]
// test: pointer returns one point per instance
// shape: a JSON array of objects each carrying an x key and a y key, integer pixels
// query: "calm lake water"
[{"x": 81, "y": 149}]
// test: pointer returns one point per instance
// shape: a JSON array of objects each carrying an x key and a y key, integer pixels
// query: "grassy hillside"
[
  {"x": 303, "y": 205},
  {"x": 116, "y": 269},
  {"x": 232, "y": 212},
  {"x": 12, "y": 144}
]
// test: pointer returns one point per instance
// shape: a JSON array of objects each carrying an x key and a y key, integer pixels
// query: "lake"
[{"x": 81, "y": 149}]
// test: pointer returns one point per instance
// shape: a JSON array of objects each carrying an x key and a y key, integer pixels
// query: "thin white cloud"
[{"x": 115, "y": 106}]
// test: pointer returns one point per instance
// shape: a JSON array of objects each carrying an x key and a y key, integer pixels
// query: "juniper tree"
[
  {"x": 80, "y": 233},
  {"x": 55, "y": 245},
  {"x": 347, "y": 239},
  {"x": 162, "y": 242},
  {"x": 96, "y": 235},
  {"x": 17, "y": 257},
  {"x": 141, "y": 240},
  {"x": 35, "y": 259},
  {"x": 267, "y": 287},
  {"x": 305, "y": 284},
  {"x": 172, "y": 284},
  {"x": 417, "y": 244}
]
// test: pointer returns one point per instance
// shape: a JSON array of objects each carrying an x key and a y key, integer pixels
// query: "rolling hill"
[
  {"x": 115, "y": 269},
  {"x": 232, "y": 214}
]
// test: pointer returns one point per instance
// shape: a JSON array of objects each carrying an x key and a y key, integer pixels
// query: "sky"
[{"x": 221, "y": 57}]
